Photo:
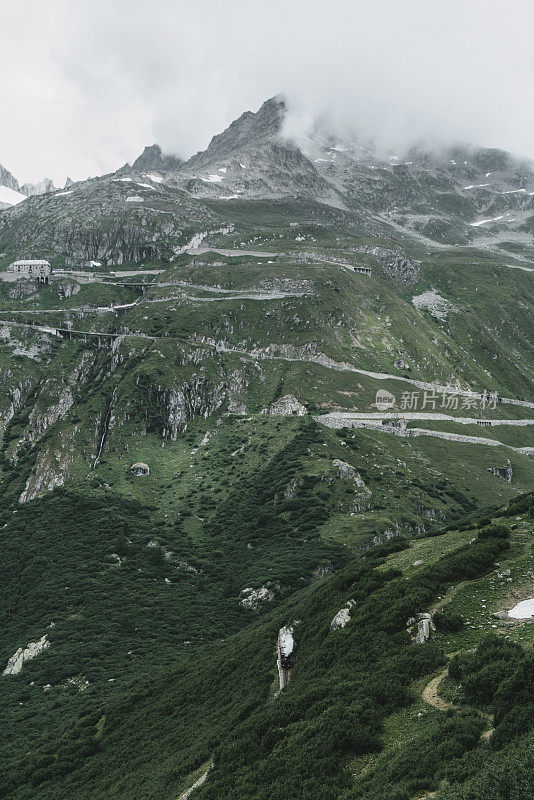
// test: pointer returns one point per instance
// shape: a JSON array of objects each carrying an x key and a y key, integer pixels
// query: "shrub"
[{"x": 448, "y": 621}]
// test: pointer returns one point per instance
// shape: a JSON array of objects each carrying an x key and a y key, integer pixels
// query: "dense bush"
[
  {"x": 172, "y": 705},
  {"x": 448, "y": 621}
]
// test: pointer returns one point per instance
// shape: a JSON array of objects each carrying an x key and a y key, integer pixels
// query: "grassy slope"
[
  {"x": 347, "y": 722},
  {"x": 166, "y": 685}
]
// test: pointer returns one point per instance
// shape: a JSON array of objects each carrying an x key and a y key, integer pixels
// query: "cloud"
[{"x": 84, "y": 86}]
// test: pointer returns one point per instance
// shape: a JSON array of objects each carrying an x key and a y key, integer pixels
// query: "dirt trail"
[
  {"x": 447, "y": 597},
  {"x": 196, "y": 784},
  {"x": 430, "y": 693}
]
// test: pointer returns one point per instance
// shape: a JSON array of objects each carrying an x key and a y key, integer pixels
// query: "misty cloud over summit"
[{"x": 90, "y": 85}]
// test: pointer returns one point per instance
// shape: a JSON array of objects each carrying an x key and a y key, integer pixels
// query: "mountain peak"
[
  {"x": 153, "y": 159},
  {"x": 246, "y": 132}
]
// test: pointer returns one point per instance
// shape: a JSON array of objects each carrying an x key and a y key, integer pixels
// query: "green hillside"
[
  {"x": 267, "y": 399},
  {"x": 122, "y": 704}
]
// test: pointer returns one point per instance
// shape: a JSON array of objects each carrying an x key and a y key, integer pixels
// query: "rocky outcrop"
[
  {"x": 286, "y": 406},
  {"x": 21, "y": 289},
  {"x": 7, "y": 179},
  {"x": 41, "y": 418},
  {"x": 385, "y": 536},
  {"x": 198, "y": 397},
  {"x": 420, "y": 627},
  {"x": 285, "y": 648},
  {"x": 41, "y": 187},
  {"x": 505, "y": 472},
  {"x": 398, "y": 266},
  {"x": 23, "y": 654},
  {"x": 343, "y": 616},
  {"x": 254, "y": 598},
  {"x": 50, "y": 470},
  {"x": 153, "y": 160},
  {"x": 345, "y": 471},
  {"x": 291, "y": 488},
  {"x": 362, "y": 494},
  {"x": 66, "y": 288}
]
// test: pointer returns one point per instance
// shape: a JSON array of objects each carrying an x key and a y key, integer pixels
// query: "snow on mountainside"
[
  {"x": 11, "y": 193},
  {"x": 10, "y": 197}
]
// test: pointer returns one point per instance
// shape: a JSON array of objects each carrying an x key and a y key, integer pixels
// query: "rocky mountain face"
[
  {"x": 459, "y": 196},
  {"x": 41, "y": 187},
  {"x": 152, "y": 160},
  {"x": 7, "y": 179}
]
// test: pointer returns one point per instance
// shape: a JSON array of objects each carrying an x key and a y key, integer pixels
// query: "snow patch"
[
  {"x": 62, "y": 194},
  {"x": 212, "y": 179},
  {"x": 152, "y": 176},
  {"x": 134, "y": 198},
  {"x": 10, "y": 196},
  {"x": 522, "y": 610},
  {"x": 484, "y": 221},
  {"x": 286, "y": 643}
]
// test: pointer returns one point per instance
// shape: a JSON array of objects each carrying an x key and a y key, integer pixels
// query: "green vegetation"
[
  {"x": 156, "y": 669},
  {"x": 162, "y": 699}
]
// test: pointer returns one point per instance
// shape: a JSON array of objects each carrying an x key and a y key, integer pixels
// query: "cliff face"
[
  {"x": 7, "y": 179},
  {"x": 152, "y": 160},
  {"x": 198, "y": 397}
]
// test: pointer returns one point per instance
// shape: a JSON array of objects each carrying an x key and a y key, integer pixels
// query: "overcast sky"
[{"x": 85, "y": 84}]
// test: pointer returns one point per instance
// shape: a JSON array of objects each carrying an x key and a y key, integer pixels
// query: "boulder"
[
  {"x": 139, "y": 469},
  {"x": 254, "y": 598},
  {"x": 424, "y": 626},
  {"x": 342, "y": 617}
]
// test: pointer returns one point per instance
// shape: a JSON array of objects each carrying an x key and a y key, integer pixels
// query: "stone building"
[{"x": 33, "y": 268}]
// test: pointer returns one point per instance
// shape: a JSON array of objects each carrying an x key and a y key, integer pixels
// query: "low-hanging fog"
[{"x": 84, "y": 86}]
